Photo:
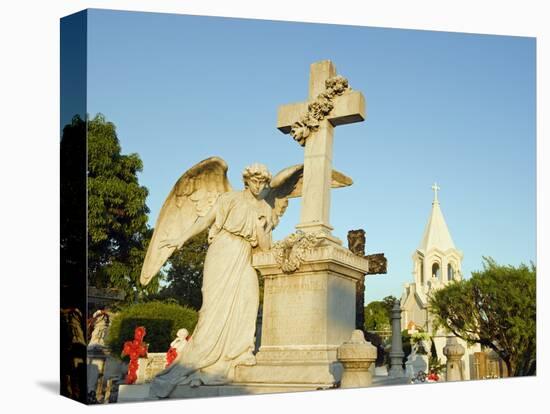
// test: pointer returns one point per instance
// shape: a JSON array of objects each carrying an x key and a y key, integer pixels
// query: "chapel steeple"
[
  {"x": 436, "y": 233},
  {"x": 436, "y": 261}
]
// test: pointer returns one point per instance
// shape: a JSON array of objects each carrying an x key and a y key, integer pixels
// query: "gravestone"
[
  {"x": 416, "y": 361},
  {"x": 150, "y": 366},
  {"x": 309, "y": 307},
  {"x": 480, "y": 365},
  {"x": 102, "y": 366},
  {"x": 104, "y": 371}
]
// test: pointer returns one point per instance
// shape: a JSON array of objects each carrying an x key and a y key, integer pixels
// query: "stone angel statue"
[{"x": 238, "y": 222}]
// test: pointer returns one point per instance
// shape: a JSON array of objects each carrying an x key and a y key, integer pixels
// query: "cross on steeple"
[
  {"x": 436, "y": 188},
  {"x": 347, "y": 108}
]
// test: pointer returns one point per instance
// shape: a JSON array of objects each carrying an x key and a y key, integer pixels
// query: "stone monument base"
[
  {"x": 324, "y": 374},
  {"x": 140, "y": 392},
  {"x": 308, "y": 312},
  {"x": 136, "y": 393}
]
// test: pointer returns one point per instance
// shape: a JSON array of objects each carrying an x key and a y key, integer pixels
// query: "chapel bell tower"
[{"x": 436, "y": 261}]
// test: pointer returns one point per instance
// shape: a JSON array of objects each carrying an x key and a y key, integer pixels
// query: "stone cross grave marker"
[
  {"x": 312, "y": 124},
  {"x": 309, "y": 309}
]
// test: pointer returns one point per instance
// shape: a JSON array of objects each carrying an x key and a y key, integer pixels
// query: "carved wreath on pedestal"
[
  {"x": 290, "y": 252},
  {"x": 318, "y": 109}
]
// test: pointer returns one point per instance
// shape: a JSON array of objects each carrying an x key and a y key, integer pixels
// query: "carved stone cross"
[{"x": 348, "y": 108}]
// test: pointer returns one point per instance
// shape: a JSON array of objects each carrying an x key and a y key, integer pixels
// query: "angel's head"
[{"x": 256, "y": 177}]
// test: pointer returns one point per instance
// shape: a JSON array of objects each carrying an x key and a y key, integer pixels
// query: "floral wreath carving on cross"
[{"x": 317, "y": 110}]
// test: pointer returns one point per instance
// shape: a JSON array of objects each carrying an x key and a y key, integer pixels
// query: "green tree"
[
  {"x": 117, "y": 213},
  {"x": 378, "y": 314},
  {"x": 377, "y": 317},
  {"x": 496, "y": 308},
  {"x": 389, "y": 301},
  {"x": 184, "y": 274}
]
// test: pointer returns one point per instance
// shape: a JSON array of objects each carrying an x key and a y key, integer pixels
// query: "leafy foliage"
[
  {"x": 184, "y": 274},
  {"x": 496, "y": 308},
  {"x": 160, "y": 319},
  {"x": 117, "y": 213},
  {"x": 378, "y": 314},
  {"x": 389, "y": 301},
  {"x": 376, "y": 317}
]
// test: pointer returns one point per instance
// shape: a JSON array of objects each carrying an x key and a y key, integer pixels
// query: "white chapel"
[{"x": 436, "y": 262}]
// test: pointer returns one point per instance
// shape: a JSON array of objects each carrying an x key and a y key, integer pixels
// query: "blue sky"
[{"x": 454, "y": 108}]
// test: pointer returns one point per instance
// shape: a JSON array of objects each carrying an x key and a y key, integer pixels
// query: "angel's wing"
[
  {"x": 288, "y": 184},
  {"x": 191, "y": 197}
]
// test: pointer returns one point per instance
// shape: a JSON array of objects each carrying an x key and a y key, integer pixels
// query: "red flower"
[
  {"x": 134, "y": 349},
  {"x": 171, "y": 355}
]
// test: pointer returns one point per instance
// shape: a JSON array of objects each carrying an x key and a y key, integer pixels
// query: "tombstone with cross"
[{"x": 309, "y": 309}]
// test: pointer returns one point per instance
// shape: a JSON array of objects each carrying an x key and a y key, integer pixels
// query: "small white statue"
[{"x": 181, "y": 340}]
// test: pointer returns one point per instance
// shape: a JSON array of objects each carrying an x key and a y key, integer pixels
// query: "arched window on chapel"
[
  {"x": 436, "y": 272},
  {"x": 450, "y": 272}
]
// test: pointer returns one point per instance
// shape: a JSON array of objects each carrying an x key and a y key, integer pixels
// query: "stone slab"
[
  {"x": 386, "y": 380},
  {"x": 133, "y": 393},
  {"x": 136, "y": 393},
  {"x": 321, "y": 374}
]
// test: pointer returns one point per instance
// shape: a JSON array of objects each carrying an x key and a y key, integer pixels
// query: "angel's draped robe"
[{"x": 224, "y": 335}]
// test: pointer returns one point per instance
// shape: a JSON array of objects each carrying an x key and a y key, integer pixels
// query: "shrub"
[{"x": 161, "y": 321}]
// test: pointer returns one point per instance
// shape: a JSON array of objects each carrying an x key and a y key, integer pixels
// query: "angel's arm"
[
  {"x": 201, "y": 224},
  {"x": 264, "y": 228}
]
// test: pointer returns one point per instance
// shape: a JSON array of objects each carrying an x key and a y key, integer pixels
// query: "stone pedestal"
[
  {"x": 356, "y": 356},
  {"x": 396, "y": 353},
  {"x": 454, "y": 352},
  {"x": 468, "y": 359},
  {"x": 307, "y": 314},
  {"x": 141, "y": 392}
]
